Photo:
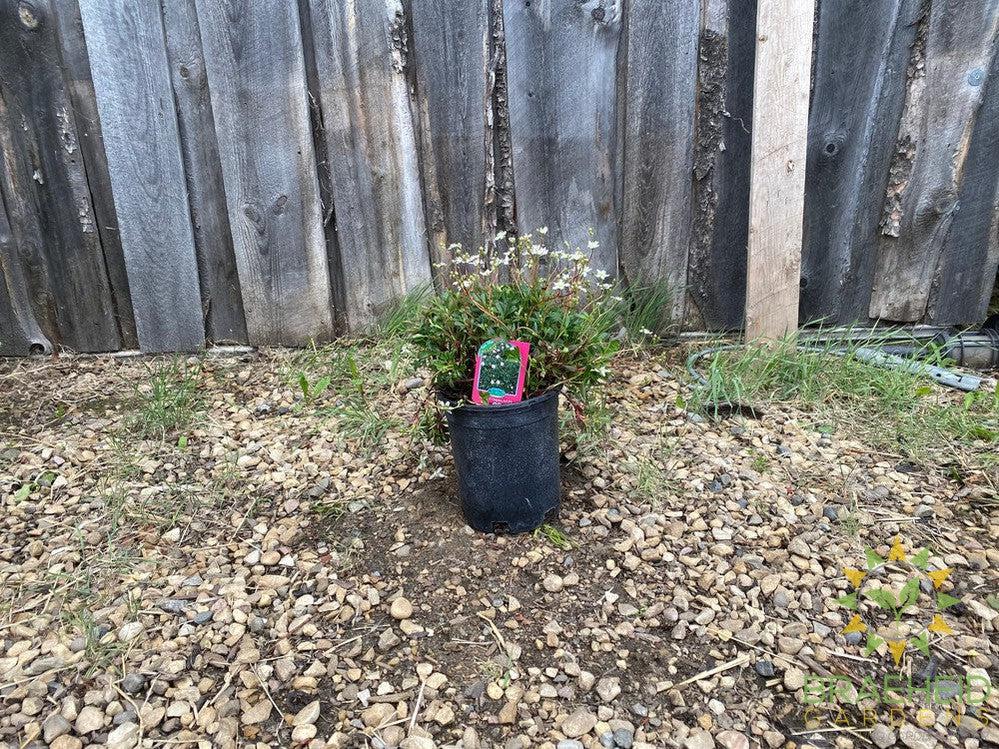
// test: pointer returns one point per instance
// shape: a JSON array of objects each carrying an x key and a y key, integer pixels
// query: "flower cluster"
[{"x": 520, "y": 289}]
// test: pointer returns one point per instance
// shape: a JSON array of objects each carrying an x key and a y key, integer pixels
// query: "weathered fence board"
[
  {"x": 76, "y": 70},
  {"x": 132, "y": 83},
  {"x": 777, "y": 181},
  {"x": 863, "y": 49},
  {"x": 960, "y": 45},
  {"x": 657, "y": 172},
  {"x": 371, "y": 146},
  {"x": 717, "y": 264},
  {"x": 562, "y": 76},
  {"x": 256, "y": 74},
  {"x": 967, "y": 273},
  {"x": 49, "y": 207},
  {"x": 19, "y": 333},
  {"x": 272, "y": 172},
  {"x": 451, "y": 59},
  {"x": 220, "y": 294}
]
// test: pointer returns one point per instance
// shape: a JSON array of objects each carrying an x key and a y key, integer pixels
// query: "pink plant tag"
[{"x": 500, "y": 371}]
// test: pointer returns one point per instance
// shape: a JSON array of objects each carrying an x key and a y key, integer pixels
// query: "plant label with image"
[{"x": 500, "y": 371}]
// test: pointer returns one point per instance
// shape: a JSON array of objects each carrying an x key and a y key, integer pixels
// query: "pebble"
[
  {"x": 578, "y": 723},
  {"x": 401, "y": 608},
  {"x": 552, "y": 583}
]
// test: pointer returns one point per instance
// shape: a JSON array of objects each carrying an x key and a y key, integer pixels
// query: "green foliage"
[
  {"x": 548, "y": 298},
  {"x": 555, "y": 536},
  {"x": 645, "y": 310},
  {"x": 169, "y": 402}
]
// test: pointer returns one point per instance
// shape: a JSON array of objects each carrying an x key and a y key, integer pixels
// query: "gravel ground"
[{"x": 285, "y": 572}]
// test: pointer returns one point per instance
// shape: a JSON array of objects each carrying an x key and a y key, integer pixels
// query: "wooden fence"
[{"x": 266, "y": 171}]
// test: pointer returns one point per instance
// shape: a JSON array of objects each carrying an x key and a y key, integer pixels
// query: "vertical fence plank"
[
  {"x": 960, "y": 45},
  {"x": 856, "y": 105},
  {"x": 19, "y": 331},
  {"x": 76, "y": 69},
  {"x": 256, "y": 74},
  {"x": 51, "y": 215},
  {"x": 131, "y": 79},
  {"x": 371, "y": 143},
  {"x": 777, "y": 182},
  {"x": 451, "y": 58},
  {"x": 971, "y": 250},
  {"x": 657, "y": 173},
  {"x": 717, "y": 264},
  {"x": 561, "y": 72},
  {"x": 220, "y": 294}
]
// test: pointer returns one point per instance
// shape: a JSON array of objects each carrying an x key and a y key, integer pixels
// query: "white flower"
[
  {"x": 559, "y": 285},
  {"x": 645, "y": 331},
  {"x": 601, "y": 275},
  {"x": 485, "y": 272},
  {"x": 592, "y": 244},
  {"x": 500, "y": 235},
  {"x": 538, "y": 251},
  {"x": 471, "y": 259},
  {"x": 543, "y": 230}
]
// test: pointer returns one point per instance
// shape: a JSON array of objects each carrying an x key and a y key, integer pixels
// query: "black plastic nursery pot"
[{"x": 507, "y": 458}]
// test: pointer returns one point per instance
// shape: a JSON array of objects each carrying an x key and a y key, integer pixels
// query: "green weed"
[
  {"x": 892, "y": 409},
  {"x": 168, "y": 402},
  {"x": 555, "y": 536},
  {"x": 646, "y": 310}
]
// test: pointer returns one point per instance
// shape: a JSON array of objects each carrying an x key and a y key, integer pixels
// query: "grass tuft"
[
  {"x": 646, "y": 311},
  {"x": 168, "y": 402},
  {"x": 891, "y": 409},
  {"x": 555, "y": 536}
]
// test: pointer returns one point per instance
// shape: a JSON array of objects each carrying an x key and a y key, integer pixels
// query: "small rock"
[
  {"x": 569, "y": 744},
  {"x": 401, "y": 608},
  {"x": 733, "y": 740},
  {"x": 578, "y": 723},
  {"x": 552, "y": 583},
  {"x": 172, "y": 536},
  {"x": 624, "y": 738},
  {"x": 765, "y": 668},
  {"x": 882, "y": 736},
  {"x": 133, "y": 683},
  {"x": 89, "y": 720},
  {"x": 608, "y": 688},
  {"x": 129, "y": 631},
  {"x": 308, "y": 714},
  {"x": 699, "y": 739},
  {"x": 55, "y": 726},
  {"x": 305, "y": 732},
  {"x": 915, "y": 738},
  {"x": 377, "y": 714},
  {"x": 125, "y": 736},
  {"x": 794, "y": 679},
  {"x": 418, "y": 742}
]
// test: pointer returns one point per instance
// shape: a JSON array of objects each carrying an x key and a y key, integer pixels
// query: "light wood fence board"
[{"x": 777, "y": 182}]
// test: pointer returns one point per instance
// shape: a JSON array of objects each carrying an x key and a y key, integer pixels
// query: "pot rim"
[{"x": 504, "y": 407}]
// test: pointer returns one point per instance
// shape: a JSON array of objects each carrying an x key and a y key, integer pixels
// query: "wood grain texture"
[
  {"x": 222, "y": 304},
  {"x": 777, "y": 181},
  {"x": 371, "y": 144},
  {"x": 561, "y": 74},
  {"x": 20, "y": 334},
  {"x": 960, "y": 46},
  {"x": 717, "y": 264},
  {"x": 49, "y": 208},
  {"x": 970, "y": 255},
  {"x": 450, "y": 54},
  {"x": 256, "y": 75},
  {"x": 76, "y": 71},
  {"x": 139, "y": 123},
  {"x": 863, "y": 49},
  {"x": 657, "y": 171}
]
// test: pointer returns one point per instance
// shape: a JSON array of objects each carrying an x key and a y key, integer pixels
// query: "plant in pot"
[{"x": 507, "y": 455}]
